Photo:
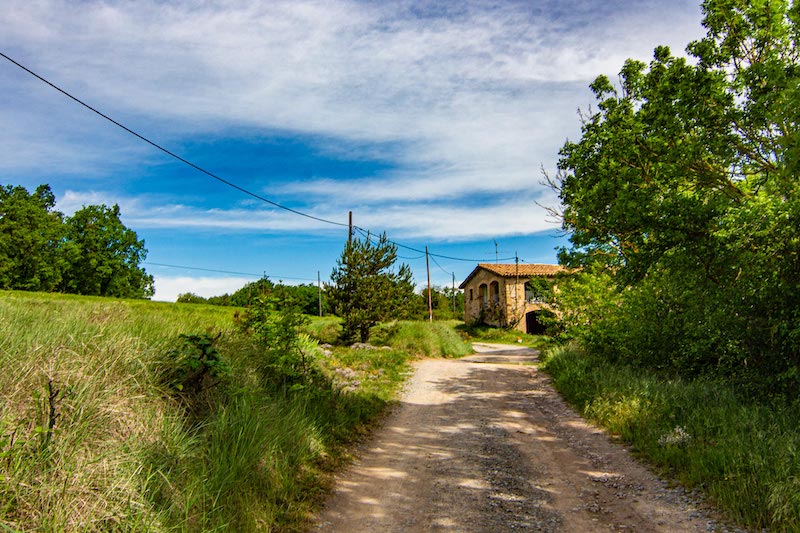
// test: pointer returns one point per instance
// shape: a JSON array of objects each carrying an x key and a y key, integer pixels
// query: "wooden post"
[
  {"x": 430, "y": 303},
  {"x": 350, "y": 228},
  {"x": 319, "y": 293},
  {"x": 454, "y": 294}
]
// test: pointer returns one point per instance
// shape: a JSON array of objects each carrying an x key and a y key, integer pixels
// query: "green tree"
[
  {"x": 274, "y": 321},
  {"x": 441, "y": 302},
  {"x": 365, "y": 287},
  {"x": 103, "y": 255},
  {"x": 248, "y": 294},
  {"x": 31, "y": 234},
  {"x": 190, "y": 298},
  {"x": 684, "y": 186}
]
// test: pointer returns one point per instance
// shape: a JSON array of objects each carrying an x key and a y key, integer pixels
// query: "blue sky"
[{"x": 430, "y": 121}]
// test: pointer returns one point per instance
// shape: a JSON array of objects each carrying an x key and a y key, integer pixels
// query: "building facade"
[{"x": 507, "y": 295}]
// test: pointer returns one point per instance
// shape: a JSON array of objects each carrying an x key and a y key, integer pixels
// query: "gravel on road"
[{"x": 484, "y": 443}]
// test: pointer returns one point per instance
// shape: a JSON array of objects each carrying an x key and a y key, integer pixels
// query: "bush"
[{"x": 193, "y": 372}]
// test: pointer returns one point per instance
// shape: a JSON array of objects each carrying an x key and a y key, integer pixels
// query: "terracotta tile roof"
[{"x": 522, "y": 270}]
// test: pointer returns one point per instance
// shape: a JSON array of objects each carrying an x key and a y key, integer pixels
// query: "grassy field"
[
  {"x": 92, "y": 438},
  {"x": 481, "y": 333},
  {"x": 745, "y": 457}
]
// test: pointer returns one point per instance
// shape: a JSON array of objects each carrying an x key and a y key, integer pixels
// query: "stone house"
[{"x": 503, "y": 295}]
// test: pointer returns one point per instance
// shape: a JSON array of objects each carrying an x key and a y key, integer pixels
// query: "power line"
[
  {"x": 435, "y": 262},
  {"x": 215, "y": 176},
  {"x": 367, "y": 233},
  {"x": 250, "y": 274},
  {"x": 168, "y": 152}
]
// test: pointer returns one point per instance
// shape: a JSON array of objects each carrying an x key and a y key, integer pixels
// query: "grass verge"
[
  {"x": 92, "y": 439},
  {"x": 481, "y": 333},
  {"x": 419, "y": 338},
  {"x": 744, "y": 457}
]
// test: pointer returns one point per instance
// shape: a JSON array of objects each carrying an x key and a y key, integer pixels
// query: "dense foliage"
[
  {"x": 365, "y": 288},
  {"x": 307, "y": 297},
  {"x": 683, "y": 191},
  {"x": 90, "y": 253}
]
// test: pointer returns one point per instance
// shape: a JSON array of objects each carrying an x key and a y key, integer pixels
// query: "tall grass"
[
  {"x": 483, "y": 333},
  {"x": 431, "y": 339},
  {"x": 744, "y": 456},
  {"x": 90, "y": 438}
]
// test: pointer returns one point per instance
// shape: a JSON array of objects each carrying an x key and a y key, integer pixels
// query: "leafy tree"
[
  {"x": 365, "y": 288},
  {"x": 684, "y": 187},
  {"x": 274, "y": 321},
  {"x": 306, "y": 297},
  {"x": 190, "y": 298},
  {"x": 442, "y": 303},
  {"x": 248, "y": 294},
  {"x": 31, "y": 236},
  {"x": 103, "y": 255}
]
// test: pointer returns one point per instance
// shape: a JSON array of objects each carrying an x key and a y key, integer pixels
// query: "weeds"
[{"x": 482, "y": 333}]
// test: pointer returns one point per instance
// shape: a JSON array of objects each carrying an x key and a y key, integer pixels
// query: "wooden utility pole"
[
  {"x": 454, "y": 294},
  {"x": 319, "y": 293},
  {"x": 516, "y": 283},
  {"x": 350, "y": 228},
  {"x": 430, "y": 302}
]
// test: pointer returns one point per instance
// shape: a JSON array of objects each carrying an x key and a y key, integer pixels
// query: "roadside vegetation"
[
  {"x": 743, "y": 455},
  {"x": 681, "y": 200},
  {"x": 418, "y": 338},
  {"x": 131, "y": 415},
  {"x": 483, "y": 333}
]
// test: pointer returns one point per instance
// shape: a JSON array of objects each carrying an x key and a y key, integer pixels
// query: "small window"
[
  {"x": 470, "y": 295},
  {"x": 483, "y": 290}
]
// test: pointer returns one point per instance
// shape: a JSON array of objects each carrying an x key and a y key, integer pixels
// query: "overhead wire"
[
  {"x": 369, "y": 234},
  {"x": 435, "y": 262},
  {"x": 169, "y": 152},
  {"x": 219, "y": 178},
  {"x": 250, "y": 274}
]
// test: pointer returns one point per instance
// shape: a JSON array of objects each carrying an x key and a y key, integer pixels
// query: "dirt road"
[{"x": 485, "y": 444}]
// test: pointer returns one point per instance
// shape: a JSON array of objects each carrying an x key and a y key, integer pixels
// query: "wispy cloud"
[
  {"x": 475, "y": 93},
  {"x": 444, "y": 221}
]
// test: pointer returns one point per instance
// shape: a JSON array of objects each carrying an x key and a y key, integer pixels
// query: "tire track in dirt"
[{"x": 485, "y": 443}]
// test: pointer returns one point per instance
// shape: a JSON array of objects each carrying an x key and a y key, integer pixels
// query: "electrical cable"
[
  {"x": 435, "y": 262},
  {"x": 218, "y": 178},
  {"x": 170, "y": 153},
  {"x": 224, "y": 271},
  {"x": 368, "y": 233}
]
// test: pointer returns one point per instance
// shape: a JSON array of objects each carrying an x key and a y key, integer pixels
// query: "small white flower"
[{"x": 676, "y": 437}]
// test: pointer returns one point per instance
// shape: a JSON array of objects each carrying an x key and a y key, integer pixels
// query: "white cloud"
[
  {"x": 487, "y": 88},
  {"x": 455, "y": 221},
  {"x": 169, "y": 287},
  {"x": 474, "y": 102}
]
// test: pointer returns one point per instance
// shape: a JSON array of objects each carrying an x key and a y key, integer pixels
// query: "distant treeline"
[
  {"x": 306, "y": 297},
  {"x": 90, "y": 253}
]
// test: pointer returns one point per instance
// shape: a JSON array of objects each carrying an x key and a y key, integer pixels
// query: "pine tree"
[{"x": 366, "y": 289}]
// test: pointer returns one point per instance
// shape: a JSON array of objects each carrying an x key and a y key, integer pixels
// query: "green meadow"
[{"x": 131, "y": 415}]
